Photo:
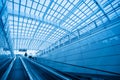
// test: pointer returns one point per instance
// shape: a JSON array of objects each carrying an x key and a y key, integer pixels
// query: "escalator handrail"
[
  {"x": 5, "y": 75},
  {"x": 110, "y": 72},
  {"x": 7, "y": 61},
  {"x": 30, "y": 76},
  {"x": 50, "y": 70}
]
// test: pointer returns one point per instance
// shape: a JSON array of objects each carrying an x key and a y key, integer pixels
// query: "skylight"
[{"x": 37, "y": 24}]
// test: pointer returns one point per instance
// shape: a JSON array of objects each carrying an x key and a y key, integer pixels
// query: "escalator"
[
  {"x": 88, "y": 76},
  {"x": 40, "y": 73},
  {"x": 4, "y": 65},
  {"x": 76, "y": 72},
  {"x": 3, "y": 61},
  {"x": 26, "y": 69},
  {"x": 70, "y": 76},
  {"x": 18, "y": 71}
]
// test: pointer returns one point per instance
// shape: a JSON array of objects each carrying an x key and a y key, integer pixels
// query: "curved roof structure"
[{"x": 37, "y": 24}]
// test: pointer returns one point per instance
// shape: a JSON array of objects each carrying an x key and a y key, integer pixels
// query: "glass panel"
[
  {"x": 22, "y": 9},
  {"x": 23, "y": 2},
  {"x": 34, "y": 5},
  {"x": 39, "y": 7},
  {"x": 27, "y": 10},
  {"x": 29, "y": 3},
  {"x": 10, "y": 5},
  {"x": 17, "y": 1},
  {"x": 16, "y": 7}
]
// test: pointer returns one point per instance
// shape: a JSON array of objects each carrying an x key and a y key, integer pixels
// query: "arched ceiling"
[{"x": 36, "y": 24}]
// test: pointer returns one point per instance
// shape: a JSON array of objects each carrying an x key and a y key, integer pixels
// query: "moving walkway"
[
  {"x": 21, "y": 68},
  {"x": 4, "y": 65},
  {"x": 18, "y": 71}
]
